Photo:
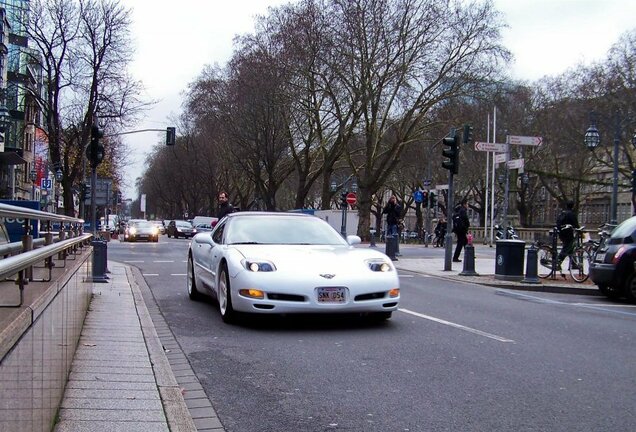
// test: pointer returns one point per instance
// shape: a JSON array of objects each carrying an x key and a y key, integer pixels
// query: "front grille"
[
  {"x": 371, "y": 296},
  {"x": 286, "y": 297}
]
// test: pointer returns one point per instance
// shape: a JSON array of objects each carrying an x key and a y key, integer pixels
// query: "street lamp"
[{"x": 592, "y": 140}]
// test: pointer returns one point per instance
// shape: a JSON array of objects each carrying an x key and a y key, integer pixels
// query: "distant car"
[
  {"x": 282, "y": 263},
  {"x": 613, "y": 267},
  {"x": 203, "y": 227},
  {"x": 160, "y": 226},
  {"x": 180, "y": 228},
  {"x": 141, "y": 230}
]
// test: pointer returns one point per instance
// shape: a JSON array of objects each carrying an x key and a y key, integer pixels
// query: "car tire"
[
  {"x": 224, "y": 296},
  {"x": 609, "y": 292},
  {"x": 191, "y": 283}
]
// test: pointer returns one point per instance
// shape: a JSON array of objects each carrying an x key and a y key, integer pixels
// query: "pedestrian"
[
  {"x": 566, "y": 222},
  {"x": 460, "y": 228},
  {"x": 393, "y": 212},
  {"x": 224, "y": 205}
]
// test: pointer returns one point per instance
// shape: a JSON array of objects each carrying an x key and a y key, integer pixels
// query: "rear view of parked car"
[{"x": 613, "y": 267}]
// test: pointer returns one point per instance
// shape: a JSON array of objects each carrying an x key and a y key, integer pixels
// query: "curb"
[{"x": 174, "y": 406}]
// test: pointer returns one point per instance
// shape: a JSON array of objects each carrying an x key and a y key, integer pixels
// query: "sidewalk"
[
  {"x": 485, "y": 266},
  {"x": 121, "y": 378}
]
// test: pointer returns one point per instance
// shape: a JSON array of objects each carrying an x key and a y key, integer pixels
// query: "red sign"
[{"x": 351, "y": 198}]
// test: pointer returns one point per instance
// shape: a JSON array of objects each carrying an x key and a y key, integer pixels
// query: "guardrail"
[{"x": 22, "y": 263}]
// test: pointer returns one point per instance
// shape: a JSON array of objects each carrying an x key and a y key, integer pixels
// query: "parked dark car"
[
  {"x": 613, "y": 267},
  {"x": 180, "y": 228}
]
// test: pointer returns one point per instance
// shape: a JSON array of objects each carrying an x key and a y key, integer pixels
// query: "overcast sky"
[{"x": 175, "y": 40}]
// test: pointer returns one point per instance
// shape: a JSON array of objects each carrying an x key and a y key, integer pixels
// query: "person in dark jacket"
[
  {"x": 461, "y": 223},
  {"x": 566, "y": 222},
  {"x": 224, "y": 205},
  {"x": 440, "y": 232},
  {"x": 393, "y": 212}
]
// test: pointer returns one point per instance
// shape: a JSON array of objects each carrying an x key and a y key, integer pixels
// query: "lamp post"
[
  {"x": 33, "y": 175},
  {"x": 592, "y": 140}
]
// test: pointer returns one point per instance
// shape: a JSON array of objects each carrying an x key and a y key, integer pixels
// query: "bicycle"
[
  {"x": 579, "y": 259},
  {"x": 594, "y": 246}
]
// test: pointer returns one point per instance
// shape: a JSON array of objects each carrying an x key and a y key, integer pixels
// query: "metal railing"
[{"x": 49, "y": 245}]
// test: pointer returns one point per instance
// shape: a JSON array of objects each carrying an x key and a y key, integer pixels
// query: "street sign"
[
  {"x": 441, "y": 187},
  {"x": 491, "y": 147},
  {"x": 524, "y": 140},
  {"x": 46, "y": 183},
  {"x": 516, "y": 164},
  {"x": 418, "y": 196},
  {"x": 351, "y": 198},
  {"x": 427, "y": 182},
  {"x": 499, "y": 158}
]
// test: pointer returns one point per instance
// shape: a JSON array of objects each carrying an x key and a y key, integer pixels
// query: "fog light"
[
  {"x": 252, "y": 293},
  {"x": 395, "y": 292}
]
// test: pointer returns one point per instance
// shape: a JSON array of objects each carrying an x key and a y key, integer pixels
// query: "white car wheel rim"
[
  {"x": 190, "y": 276},
  {"x": 223, "y": 294}
]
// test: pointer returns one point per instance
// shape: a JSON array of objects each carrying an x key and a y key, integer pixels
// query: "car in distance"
[
  {"x": 141, "y": 230},
  {"x": 160, "y": 226},
  {"x": 284, "y": 263},
  {"x": 179, "y": 228},
  {"x": 613, "y": 267}
]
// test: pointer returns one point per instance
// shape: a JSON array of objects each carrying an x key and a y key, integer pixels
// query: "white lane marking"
[
  {"x": 406, "y": 276},
  {"x": 170, "y": 261},
  {"x": 178, "y": 274},
  {"x": 133, "y": 261},
  {"x": 150, "y": 274},
  {"x": 458, "y": 326}
]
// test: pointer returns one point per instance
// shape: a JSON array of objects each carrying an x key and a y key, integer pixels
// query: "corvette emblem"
[{"x": 327, "y": 275}]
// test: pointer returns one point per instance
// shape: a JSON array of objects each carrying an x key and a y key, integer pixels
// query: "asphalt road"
[{"x": 455, "y": 357}]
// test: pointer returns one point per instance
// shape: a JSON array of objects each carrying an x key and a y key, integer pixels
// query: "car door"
[{"x": 217, "y": 251}]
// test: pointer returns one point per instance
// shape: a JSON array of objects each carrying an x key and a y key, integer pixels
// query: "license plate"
[
  {"x": 600, "y": 258},
  {"x": 331, "y": 295}
]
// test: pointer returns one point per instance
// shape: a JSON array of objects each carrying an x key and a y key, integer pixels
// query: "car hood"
[{"x": 299, "y": 258}]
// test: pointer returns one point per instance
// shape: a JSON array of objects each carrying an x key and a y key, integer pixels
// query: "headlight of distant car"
[
  {"x": 378, "y": 265},
  {"x": 154, "y": 231},
  {"x": 132, "y": 231},
  {"x": 259, "y": 265}
]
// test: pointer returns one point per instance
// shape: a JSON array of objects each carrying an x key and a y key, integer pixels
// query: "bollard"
[
  {"x": 469, "y": 261},
  {"x": 99, "y": 261},
  {"x": 391, "y": 247},
  {"x": 372, "y": 232},
  {"x": 532, "y": 267}
]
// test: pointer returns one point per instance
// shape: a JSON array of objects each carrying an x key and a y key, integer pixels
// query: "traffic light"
[
  {"x": 452, "y": 152},
  {"x": 171, "y": 136},
  {"x": 85, "y": 192},
  {"x": 95, "y": 150},
  {"x": 433, "y": 199},
  {"x": 343, "y": 198},
  {"x": 468, "y": 134},
  {"x": 634, "y": 181}
]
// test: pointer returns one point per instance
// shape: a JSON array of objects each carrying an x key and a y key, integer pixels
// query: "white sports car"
[{"x": 281, "y": 263}]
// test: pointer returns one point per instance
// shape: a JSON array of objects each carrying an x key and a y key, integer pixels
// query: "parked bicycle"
[
  {"x": 578, "y": 260},
  {"x": 594, "y": 246}
]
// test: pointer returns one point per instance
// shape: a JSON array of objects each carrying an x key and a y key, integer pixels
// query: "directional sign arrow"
[
  {"x": 524, "y": 140},
  {"x": 491, "y": 147}
]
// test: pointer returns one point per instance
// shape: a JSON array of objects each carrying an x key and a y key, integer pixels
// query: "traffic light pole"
[
  {"x": 448, "y": 241},
  {"x": 93, "y": 203}
]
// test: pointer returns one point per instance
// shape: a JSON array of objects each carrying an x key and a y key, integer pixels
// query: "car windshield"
[
  {"x": 142, "y": 225},
  {"x": 282, "y": 230},
  {"x": 625, "y": 229},
  {"x": 184, "y": 224}
]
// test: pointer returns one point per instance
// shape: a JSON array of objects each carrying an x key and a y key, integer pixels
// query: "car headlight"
[
  {"x": 259, "y": 265},
  {"x": 379, "y": 265},
  {"x": 155, "y": 231},
  {"x": 132, "y": 231}
]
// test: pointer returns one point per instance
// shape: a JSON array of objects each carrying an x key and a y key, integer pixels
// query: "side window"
[{"x": 217, "y": 235}]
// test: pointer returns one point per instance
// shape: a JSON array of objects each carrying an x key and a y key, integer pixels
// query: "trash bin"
[
  {"x": 391, "y": 247},
  {"x": 100, "y": 259},
  {"x": 509, "y": 257}
]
